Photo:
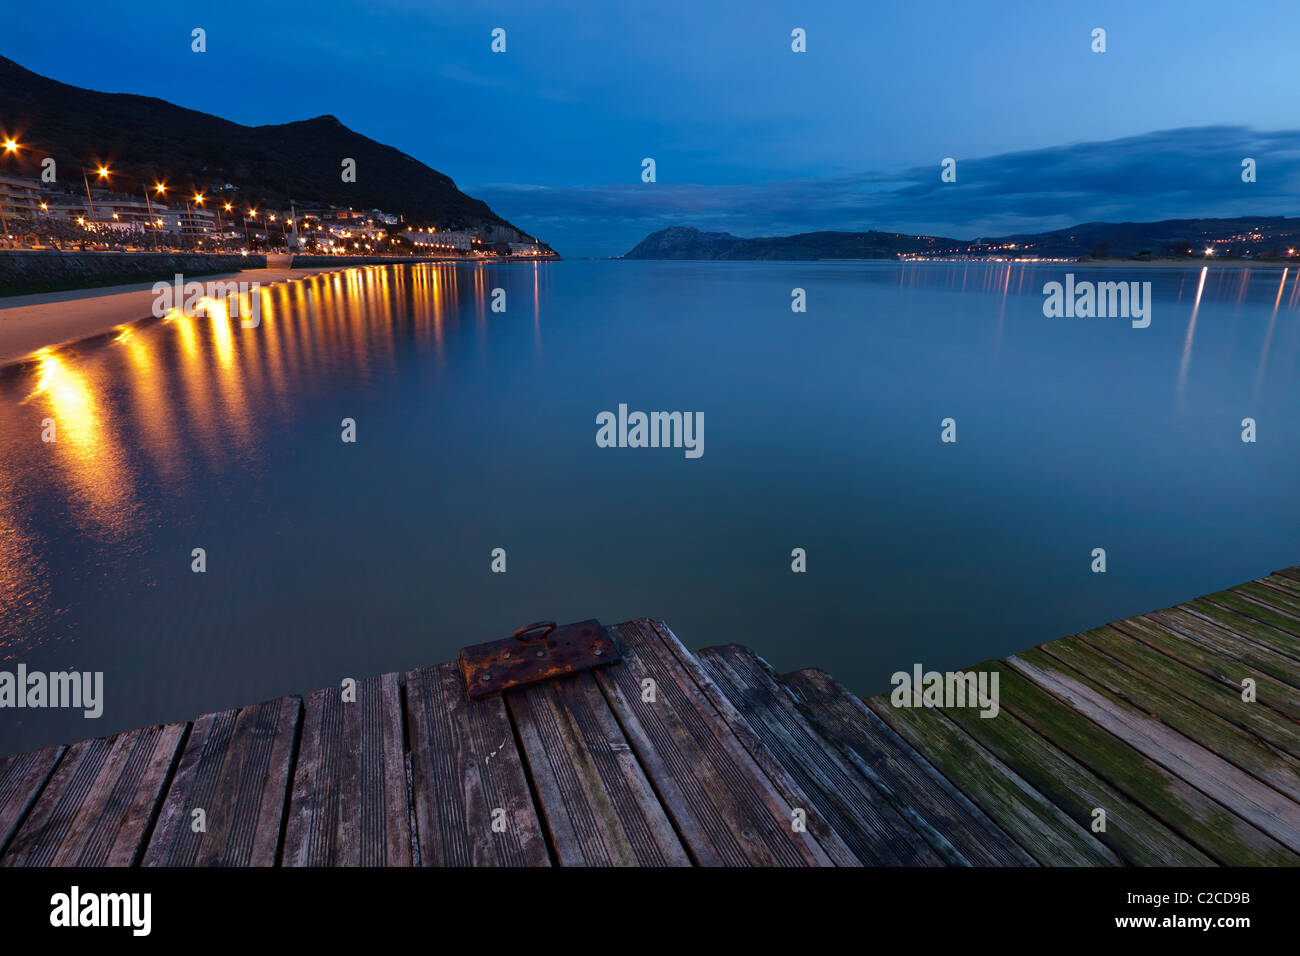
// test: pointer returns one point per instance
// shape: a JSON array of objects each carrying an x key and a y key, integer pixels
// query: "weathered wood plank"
[
  {"x": 97, "y": 806},
  {"x": 1185, "y": 643},
  {"x": 1184, "y": 715},
  {"x": 1269, "y": 605},
  {"x": 599, "y": 808},
  {"x": 1250, "y": 628},
  {"x": 856, "y": 807},
  {"x": 22, "y": 777},
  {"x": 910, "y": 781},
  {"x": 1059, "y": 753},
  {"x": 1291, "y": 573},
  {"x": 1267, "y": 810},
  {"x": 466, "y": 775},
  {"x": 792, "y": 793},
  {"x": 235, "y": 769},
  {"x": 1279, "y": 599},
  {"x": 726, "y": 809},
  {"x": 349, "y": 805},
  {"x": 1288, "y": 586},
  {"x": 1272, "y": 729},
  {"x": 1232, "y": 636},
  {"x": 1044, "y": 830}
]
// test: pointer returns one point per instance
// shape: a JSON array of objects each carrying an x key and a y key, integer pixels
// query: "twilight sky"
[{"x": 748, "y": 136}]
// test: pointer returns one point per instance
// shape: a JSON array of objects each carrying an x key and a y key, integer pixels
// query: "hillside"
[
  {"x": 1270, "y": 236},
  {"x": 145, "y": 139},
  {"x": 679, "y": 242}
]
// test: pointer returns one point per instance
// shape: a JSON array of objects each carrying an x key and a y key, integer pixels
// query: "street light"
[
  {"x": 10, "y": 146},
  {"x": 104, "y": 173},
  {"x": 149, "y": 206}
]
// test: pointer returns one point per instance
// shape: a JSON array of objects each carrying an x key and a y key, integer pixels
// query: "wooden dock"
[{"x": 710, "y": 758}]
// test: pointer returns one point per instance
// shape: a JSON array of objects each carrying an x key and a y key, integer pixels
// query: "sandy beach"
[{"x": 31, "y": 322}]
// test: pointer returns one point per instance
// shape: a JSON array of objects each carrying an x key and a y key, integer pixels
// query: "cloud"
[{"x": 1191, "y": 172}]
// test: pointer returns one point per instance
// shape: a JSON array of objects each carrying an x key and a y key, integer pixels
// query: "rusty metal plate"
[{"x": 535, "y": 653}]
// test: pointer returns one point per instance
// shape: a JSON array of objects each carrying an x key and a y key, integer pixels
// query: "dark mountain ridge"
[
  {"x": 146, "y": 140},
  {"x": 1272, "y": 236}
]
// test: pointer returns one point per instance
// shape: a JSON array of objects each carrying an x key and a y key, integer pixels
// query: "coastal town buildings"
[
  {"x": 20, "y": 197},
  {"x": 169, "y": 216}
]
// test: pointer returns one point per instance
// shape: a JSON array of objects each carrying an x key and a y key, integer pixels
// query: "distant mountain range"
[
  {"x": 145, "y": 140},
  {"x": 1258, "y": 236}
]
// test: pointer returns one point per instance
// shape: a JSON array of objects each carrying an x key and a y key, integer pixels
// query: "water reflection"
[
  {"x": 1268, "y": 336},
  {"x": 148, "y": 414},
  {"x": 1191, "y": 334},
  {"x": 77, "y": 432},
  {"x": 196, "y": 431}
]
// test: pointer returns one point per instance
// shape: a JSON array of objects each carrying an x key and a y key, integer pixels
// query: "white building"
[
  {"x": 21, "y": 198},
  {"x": 444, "y": 240}
]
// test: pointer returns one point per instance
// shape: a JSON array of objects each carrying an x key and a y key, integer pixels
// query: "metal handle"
[{"x": 549, "y": 625}]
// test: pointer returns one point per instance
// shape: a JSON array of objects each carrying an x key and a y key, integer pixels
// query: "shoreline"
[
  {"x": 1188, "y": 264},
  {"x": 1191, "y": 264},
  {"x": 43, "y": 320},
  {"x": 48, "y": 320}
]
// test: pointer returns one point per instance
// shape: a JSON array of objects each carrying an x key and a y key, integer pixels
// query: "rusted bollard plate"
[{"x": 514, "y": 661}]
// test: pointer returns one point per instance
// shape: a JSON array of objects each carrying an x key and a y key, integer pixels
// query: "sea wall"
[
  {"x": 23, "y": 272},
  {"x": 308, "y": 261}
]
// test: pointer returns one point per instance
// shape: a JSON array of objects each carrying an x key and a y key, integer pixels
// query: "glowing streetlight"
[
  {"x": 198, "y": 198},
  {"x": 11, "y": 145},
  {"x": 160, "y": 189},
  {"x": 104, "y": 172}
]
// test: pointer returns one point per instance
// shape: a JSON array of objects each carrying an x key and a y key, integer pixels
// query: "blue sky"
[{"x": 748, "y": 136}]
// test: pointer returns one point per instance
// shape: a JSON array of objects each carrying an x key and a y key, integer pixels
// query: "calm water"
[{"x": 476, "y": 430}]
